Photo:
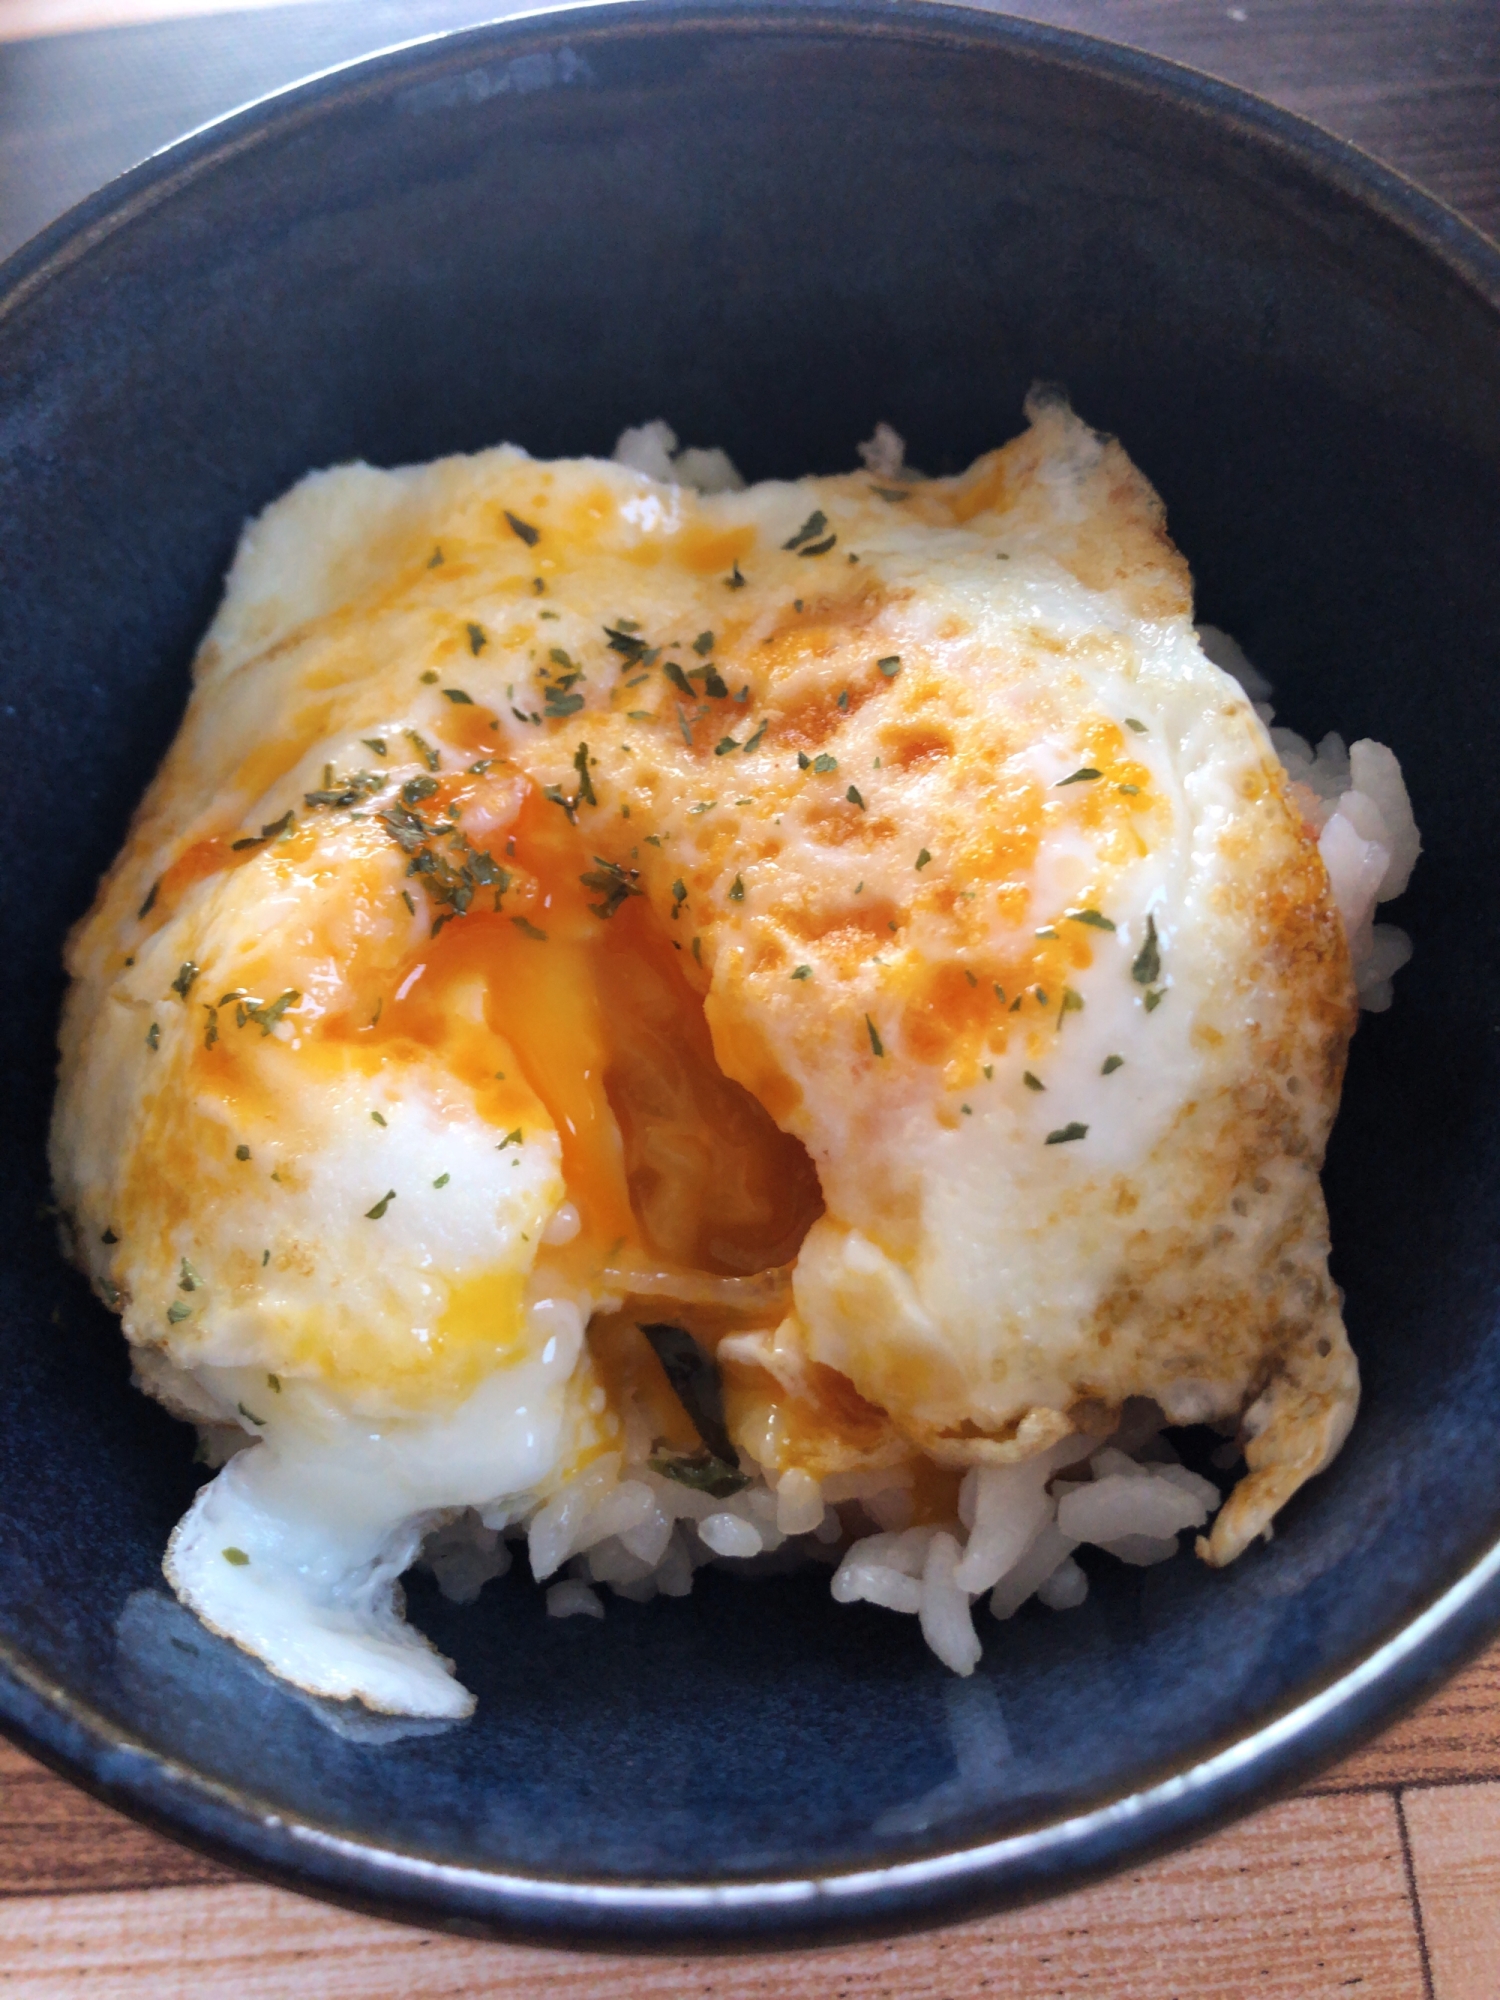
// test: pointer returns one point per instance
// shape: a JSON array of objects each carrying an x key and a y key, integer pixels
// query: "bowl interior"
[{"x": 772, "y": 227}]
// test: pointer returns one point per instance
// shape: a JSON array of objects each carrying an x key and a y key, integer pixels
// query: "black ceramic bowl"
[{"x": 773, "y": 225}]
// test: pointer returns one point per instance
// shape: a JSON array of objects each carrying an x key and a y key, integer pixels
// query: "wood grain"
[
  {"x": 1304, "y": 1902},
  {"x": 1454, "y": 1735},
  {"x": 55, "y": 1840},
  {"x": 1454, "y": 1834}
]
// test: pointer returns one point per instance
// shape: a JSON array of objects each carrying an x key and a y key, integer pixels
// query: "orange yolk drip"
[{"x": 545, "y": 1004}]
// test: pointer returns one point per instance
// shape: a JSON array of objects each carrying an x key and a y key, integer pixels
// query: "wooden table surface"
[{"x": 1382, "y": 1880}]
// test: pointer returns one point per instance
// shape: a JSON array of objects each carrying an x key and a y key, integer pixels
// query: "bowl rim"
[{"x": 765, "y": 1910}]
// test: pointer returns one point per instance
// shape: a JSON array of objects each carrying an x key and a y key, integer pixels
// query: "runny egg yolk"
[{"x": 670, "y": 1164}]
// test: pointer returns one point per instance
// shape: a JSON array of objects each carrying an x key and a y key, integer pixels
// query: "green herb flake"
[
  {"x": 377, "y": 1213},
  {"x": 435, "y": 560},
  {"x": 1032, "y": 1082},
  {"x": 377, "y": 1117},
  {"x": 734, "y": 580},
  {"x": 529, "y": 535},
  {"x": 1066, "y": 1134},
  {"x": 923, "y": 858},
  {"x": 811, "y": 528},
  {"x": 1154, "y": 999},
  {"x": 891, "y": 493},
  {"x": 1147, "y": 967},
  {"x": 273, "y": 1382},
  {"x": 703, "y": 644},
  {"x": 150, "y": 903},
  {"x": 1138, "y": 727},
  {"x": 843, "y": 700},
  {"x": 621, "y": 638},
  {"x": 1084, "y": 776},
  {"x": 877, "y": 1047},
  {"x": 823, "y": 764},
  {"x": 177, "y": 1312},
  {"x": 153, "y": 1036},
  {"x": 701, "y": 1471},
  {"x": 457, "y": 695},
  {"x": 1111, "y": 1064},
  {"x": 818, "y": 548},
  {"x": 338, "y": 791},
  {"x": 265, "y": 1258},
  {"x": 406, "y": 897},
  {"x": 237, "y": 1556},
  {"x": 423, "y": 748},
  {"x": 694, "y": 1376},
  {"x": 429, "y": 679},
  {"x": 375, "y": 743},
  {"x": 803, "y": 972},
  {"x": 266, "y": 1018},
  {"x": 585, "y": 793},
  {"x": 109, "y": 1236},
  {"x": 250, "y": 1416},
  {"x": 612, "y": 883},
  {"x": 1094, "y": 918},
  {"x": 970, "y": 977},
  {"x": 1072, "y": 1003},
  {"x": 442, "y": 1180},
  {"x": 854, "y": 798},
  {"x": 989, "y": 1071},
  {"x": 724, "y": 745},
  {"x": 510, "y": 1139},
  {"x": 284, "y": 824},
  {"x": 890, "y": 666},
  {"x": 679, "y": 679},
  {"x": 1000, "y": 993},
  {"x": 1130, "y": 791},
  {"x": 737, "y": 889},
  {"x": 242, "y": 1152},
  {"x": 967, "y": 1110},
  {"x": 529, "y": 929}
]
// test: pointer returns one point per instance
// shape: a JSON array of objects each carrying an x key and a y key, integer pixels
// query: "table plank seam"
[{"x": 1408, "y": 1868}]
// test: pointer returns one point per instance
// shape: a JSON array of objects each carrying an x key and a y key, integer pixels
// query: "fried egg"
[{"x": 850, "y": 919}]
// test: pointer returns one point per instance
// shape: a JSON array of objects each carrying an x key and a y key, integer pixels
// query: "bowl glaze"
[{"x": 772, "y": 224}]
